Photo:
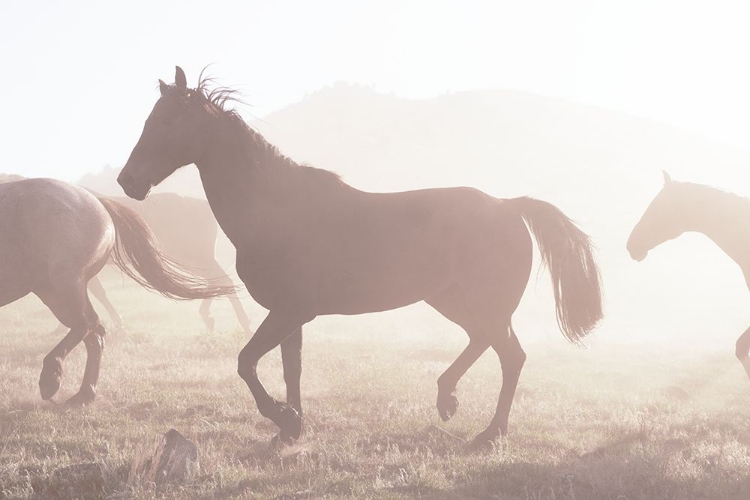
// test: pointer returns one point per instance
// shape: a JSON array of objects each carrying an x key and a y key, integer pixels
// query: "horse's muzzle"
[
  {"x": 637, "y": 255},
  {"x": 131, "y": 187}
]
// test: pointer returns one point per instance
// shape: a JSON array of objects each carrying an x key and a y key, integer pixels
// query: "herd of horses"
[{"x": 308, "y": 244}]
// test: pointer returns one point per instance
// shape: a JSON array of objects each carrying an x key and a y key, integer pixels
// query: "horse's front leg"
[
  {"x": 742, "y": 349},
  {"x": 276, "y": 328}
]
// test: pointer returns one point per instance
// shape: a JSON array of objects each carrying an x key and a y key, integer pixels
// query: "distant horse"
[
  {"x": 681, "y": 207},
  {"x": 308, "y": 244},
  {"x": 55, "y": 238},
  {"x": 187, "y": 231}
]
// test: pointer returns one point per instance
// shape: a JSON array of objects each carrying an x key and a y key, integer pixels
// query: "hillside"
[{"x": 601, "y": 167}]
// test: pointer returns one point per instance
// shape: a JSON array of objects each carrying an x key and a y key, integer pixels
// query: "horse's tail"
[
  {"x": 568, "y": 253},
  {"x": 137, "y": 254}
]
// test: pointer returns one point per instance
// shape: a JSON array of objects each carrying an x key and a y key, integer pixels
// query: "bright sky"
[{"x": 80, "y": 76}]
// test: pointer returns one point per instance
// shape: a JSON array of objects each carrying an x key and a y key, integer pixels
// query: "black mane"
[{"x": 264, "y": 154}]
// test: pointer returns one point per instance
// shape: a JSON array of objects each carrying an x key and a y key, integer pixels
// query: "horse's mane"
[
  {"x": 715, "y": 195},
  {"x": 220, "y": 100}
]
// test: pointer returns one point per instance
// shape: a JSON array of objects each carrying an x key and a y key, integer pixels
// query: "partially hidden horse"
[
  {"x": 687, "y": 207},
  {"x": 186, "y": 230},
  {"x": 308, "y": 244},
  {"x": 55, "y": 237}
]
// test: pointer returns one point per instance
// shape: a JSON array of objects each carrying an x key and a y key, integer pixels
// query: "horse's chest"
[{"x": 272, "y": 276}]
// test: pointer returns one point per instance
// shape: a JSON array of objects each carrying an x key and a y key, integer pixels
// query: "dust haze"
[
  {"x": 654, "y": 406},
  {"x": 601, "y": 167}
]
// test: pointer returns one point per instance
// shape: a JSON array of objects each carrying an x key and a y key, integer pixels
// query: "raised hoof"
[
  {"x": 289, "y": 422},
  {"x": 81, "y": 398},
  {"x": 447, "y": 406},
  {"x": 49, "y": 380}
]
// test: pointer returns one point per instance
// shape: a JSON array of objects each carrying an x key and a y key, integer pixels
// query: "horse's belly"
[{"x": 17, "y": 278}]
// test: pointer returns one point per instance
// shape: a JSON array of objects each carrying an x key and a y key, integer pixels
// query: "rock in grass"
[
  {"x": 175, "y": 459},
  {"x": 676, "y": 393}
]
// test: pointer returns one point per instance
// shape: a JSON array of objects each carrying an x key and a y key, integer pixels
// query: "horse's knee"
[{"x": 246, "y": 366}]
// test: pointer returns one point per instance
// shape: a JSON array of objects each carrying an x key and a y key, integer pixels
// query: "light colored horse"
[
  {"x": 308, "y": 244},
  {"x": 683, "y": 206},
  {"x": 192, "y": 245},
  {"x": 55, "y": 237}
]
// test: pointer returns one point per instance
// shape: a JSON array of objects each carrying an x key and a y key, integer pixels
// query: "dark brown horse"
[
  {"x": 186, "y": 230},
  {"x": 308, "y": 244},
  {"x": 55, "y": 237},
  {"x": 683, "y": 206}
]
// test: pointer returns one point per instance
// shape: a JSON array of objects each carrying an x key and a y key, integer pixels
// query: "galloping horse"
[
  {"x": 55, "y": 238},
  {"x": 191, "y": 244},
  {"x": 308, "y": 244},
  {"x": 683, "y": 206}
]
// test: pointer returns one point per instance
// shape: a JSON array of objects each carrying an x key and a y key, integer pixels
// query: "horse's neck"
[
  {"x": 229, "y": 192},
  {"x": 239, "y": 190},
  {"x": 726, "y": 222}
]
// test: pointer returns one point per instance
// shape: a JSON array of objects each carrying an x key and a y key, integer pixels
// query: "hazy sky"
[{"x": 80, "y": 77}]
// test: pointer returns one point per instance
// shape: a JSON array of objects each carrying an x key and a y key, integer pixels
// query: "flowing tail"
[
  {"x": 137, "y": 254},
  {"x": 568, "y": 253}
]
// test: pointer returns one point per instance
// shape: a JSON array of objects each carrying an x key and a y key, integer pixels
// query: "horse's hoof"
[
  {"x": 447, "y": 406},
  {"x": 279, "y": 441},
  {"x": 289, "y": 422},
  {"x": 49, "y": 380},
  {"x": 485, "y": 441}
]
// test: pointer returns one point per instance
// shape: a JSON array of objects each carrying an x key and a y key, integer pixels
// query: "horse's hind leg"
[
  {"x": 742, "y": 349},
  {"x": 239, "y": 311},
  {"x": 512, "y": 358},
  {"x": 447, "y": 401},
  {"x": 483, "y": 305},
  {"x": 73, "y": 308},
  {"x": 97, "y": 290},
  {"x": 452, "y": 305},
  {"x": 216, "y": 272},
  {"x": 205, "y": 312},
  {"x": 94, "y": 343}
]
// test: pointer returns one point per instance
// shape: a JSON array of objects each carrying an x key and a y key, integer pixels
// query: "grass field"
[{"x": 620, "y": 420}]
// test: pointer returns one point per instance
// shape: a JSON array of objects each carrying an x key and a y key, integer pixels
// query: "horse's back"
[{"x": 52, "y": 230}]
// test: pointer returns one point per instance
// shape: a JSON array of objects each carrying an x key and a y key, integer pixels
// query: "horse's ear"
[
  {"x": 179, "y": 78},
  {"x": 163, "y": 88},
  {"x": 667, "y": 178}
]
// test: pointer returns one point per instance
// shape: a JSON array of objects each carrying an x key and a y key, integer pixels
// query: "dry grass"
[{"x": 617, "y": 421}]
